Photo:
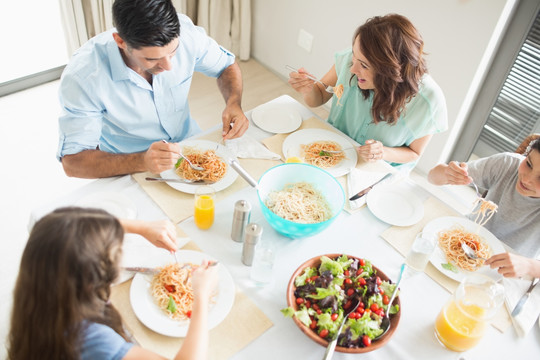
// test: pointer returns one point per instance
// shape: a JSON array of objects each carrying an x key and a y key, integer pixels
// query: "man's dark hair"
[{"x": 142, "y": 23}]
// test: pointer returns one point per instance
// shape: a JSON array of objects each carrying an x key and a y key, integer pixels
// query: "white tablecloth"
[{"x": 357, "y": 234}]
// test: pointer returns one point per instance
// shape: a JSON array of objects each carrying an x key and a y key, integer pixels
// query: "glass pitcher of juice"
[
  {"x": 204, "y": 207},
  {"x": 462, "y": 321}
]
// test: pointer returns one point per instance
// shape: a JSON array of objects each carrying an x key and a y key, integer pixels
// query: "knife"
[
  {"x": 524, "y": 298},
  {"x": 141, "y": 269},
  {"x": 366, "y": 190},
  {"x": 183, "y": 181}
]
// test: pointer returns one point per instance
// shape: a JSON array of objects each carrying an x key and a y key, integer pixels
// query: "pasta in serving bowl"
[{"x": 299, "y": 200}]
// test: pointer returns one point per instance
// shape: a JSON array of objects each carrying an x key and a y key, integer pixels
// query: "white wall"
[{"x": 456, "y": 35}]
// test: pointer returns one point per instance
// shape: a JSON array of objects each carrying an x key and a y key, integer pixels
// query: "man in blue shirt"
[{"x": 124, "y": 92}]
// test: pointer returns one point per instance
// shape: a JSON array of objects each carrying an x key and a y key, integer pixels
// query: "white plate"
[
  {"x": 116, "y": 204},
  {"x": 395, "y": 205},
  {"x": 274, "y": 118},
  {"x": 203, "y": 145},
  {"x": 292, "y": 146},
  {"x": 438, "y": 258},
  {"x": 154, "y": 318}
]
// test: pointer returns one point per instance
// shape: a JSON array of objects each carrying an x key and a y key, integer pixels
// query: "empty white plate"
[
  {"x": 278, "y": 119},
  {"x": 395, "y": 205}
]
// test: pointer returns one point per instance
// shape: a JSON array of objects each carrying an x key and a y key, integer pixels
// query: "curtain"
[
  {"x": 226, "y": 21},
  {"x": 84, "y": 19}
]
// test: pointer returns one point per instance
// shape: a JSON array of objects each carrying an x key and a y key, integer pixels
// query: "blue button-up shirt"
[{"x": 106, "y": 104}]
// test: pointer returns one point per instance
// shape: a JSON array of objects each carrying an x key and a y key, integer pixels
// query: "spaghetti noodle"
[
  {"x": 317, "y": 153},
  {"x": 173, "y": 283},
  {"x": 486, "y": 209},
  {"x": 214, "y": 167},
  {"x": 300, "y": 203},
  {"x": 450, "y": 242},
  {"x": 338, "y": 91}
]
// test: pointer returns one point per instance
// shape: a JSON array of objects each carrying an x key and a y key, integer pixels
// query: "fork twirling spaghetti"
[
  {"x": 214, "y": 167},
  {"x": 316, "y": 153}
]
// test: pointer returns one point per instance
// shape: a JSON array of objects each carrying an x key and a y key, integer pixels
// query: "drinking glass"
[
  {"x": 204, "y": 207},
  {"x": 263, "y": 263},
  {"x": 462, "y": 321},
  {"x": 420, "y": 251}
]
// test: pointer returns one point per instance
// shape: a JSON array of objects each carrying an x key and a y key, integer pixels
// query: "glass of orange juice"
[
  {"x": 462, "y": 321},
  {"x": 204, "y": 207}
]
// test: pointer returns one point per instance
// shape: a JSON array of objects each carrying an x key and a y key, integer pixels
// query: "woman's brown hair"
[
  {"x": 394, "y": 49},
  {"x": 65, "y": 275}
]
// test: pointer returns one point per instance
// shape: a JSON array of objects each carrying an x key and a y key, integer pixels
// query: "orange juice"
[
  {"x": 460, "y": 327},
  {"x": 204, "y": 211}
]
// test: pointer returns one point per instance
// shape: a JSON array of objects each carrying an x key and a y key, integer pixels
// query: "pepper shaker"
[
  {"x": 242, "y": 212},
  {"x": 253, "y": 236}
]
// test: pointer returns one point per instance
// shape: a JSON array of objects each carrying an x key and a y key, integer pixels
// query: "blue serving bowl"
[{"x": 275, "y": 178}]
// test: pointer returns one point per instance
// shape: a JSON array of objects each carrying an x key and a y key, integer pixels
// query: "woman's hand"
[
  {"x": 513, "y": 265},
  {"x": 204, "y": 281},
  {"x": 372, "y": 151},
  {"x": 300, "y": 82}
]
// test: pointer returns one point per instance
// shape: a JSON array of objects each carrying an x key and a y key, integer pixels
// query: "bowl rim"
[
  {"x": 342, "y": 206},
  {"x": 394, "y": 320}
]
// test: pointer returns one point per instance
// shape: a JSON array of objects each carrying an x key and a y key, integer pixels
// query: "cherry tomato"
[
  {"x": 360, "y": 311},
  {"x": 347, "y": 304},
  {"x": 380, "y": 312},
  {"x": 313, "y": 278},
  {"x": 348, "y": 281},
  {"x": 374, "y": 307},
  {"x": 385, "y": 300},
  {"x": 170, "y": 288},
  {"x": 315, "y": 307},
  {"x": 379, "y": 281},
  {"x": 362, "y": 281},
  {"x": 188, "y": 314},
  {"x": 334, "y": 316},
  {"x": 299, "y": 301},
  {"x": 381, "y": 290},
  {"x": 346, "y": 272},
  {"x": 366, "y": 340},
  {"x": 362, "y": 262},
  {"x": 350, "y": 292},
  {"x": 323, "y": 333},
  {"x": 313, "y": 325},
  {"x": 361, "y": 305},
  {"x": 308, "y": 304},
  {"x": 353, "y": 315},
  {"x": 359, "y": 271},
  {"x": 319, "y": 311}
]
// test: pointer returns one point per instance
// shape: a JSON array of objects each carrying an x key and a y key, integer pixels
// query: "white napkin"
[
  {"x": 357, "y": 180},
  {"x": 248, "y": 148},
  {"x": 514, "y": 290},
  {"x": 137, "y": 251}
]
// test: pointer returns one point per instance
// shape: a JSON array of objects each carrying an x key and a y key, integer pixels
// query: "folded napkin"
[
  {"x": 514, "y": 290},
  {"x": 247, "y": 147}
]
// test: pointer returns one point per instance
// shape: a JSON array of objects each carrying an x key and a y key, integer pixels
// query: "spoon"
[
  {"x": 385, "y": 324},
  {"x": 332, "y": 344},
  {"x": 470, "y": 252}
]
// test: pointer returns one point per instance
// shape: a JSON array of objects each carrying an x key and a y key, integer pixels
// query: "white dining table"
[{"x": 358, "y": 234}]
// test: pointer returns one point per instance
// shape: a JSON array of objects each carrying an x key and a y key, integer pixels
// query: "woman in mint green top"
[{"x": 390, "y": 104}]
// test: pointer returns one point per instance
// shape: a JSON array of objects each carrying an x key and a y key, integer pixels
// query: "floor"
[{"x": 32, "y": 176}]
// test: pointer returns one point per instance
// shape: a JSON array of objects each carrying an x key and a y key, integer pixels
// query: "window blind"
[{"x": 515, "y": 113}]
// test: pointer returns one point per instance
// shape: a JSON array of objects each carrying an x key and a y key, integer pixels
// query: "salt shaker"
[
  {"x": 253, "y": 233},
  {"x": 242, "y": 212}
]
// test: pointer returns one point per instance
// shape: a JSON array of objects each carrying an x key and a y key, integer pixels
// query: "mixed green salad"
[{"x": 324, "y": 295}]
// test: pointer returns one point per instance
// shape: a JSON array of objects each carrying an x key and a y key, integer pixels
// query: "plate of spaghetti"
[
  {"x": 312, "y": 146},
  {"x": 163, "y": 301},
  {"x": 207, "y": 154},
  {"x": 449, "y": 232}
]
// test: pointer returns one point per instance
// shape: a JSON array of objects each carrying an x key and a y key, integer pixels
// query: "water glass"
[
  {"x": 263, "y": 263},
  {"x": 420, "y": 251},
  {"x": 204, "y": 207}
]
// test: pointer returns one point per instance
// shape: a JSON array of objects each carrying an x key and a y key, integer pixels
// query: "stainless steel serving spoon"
[{"x": 385, "y": 324}]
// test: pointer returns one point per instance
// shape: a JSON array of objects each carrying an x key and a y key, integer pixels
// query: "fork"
[
  {"x": 194, "y": 167},
  {"x": 337, "y": 151},
  {"x": 327, "y": 88},
  {"x": 476, "y": 188}
]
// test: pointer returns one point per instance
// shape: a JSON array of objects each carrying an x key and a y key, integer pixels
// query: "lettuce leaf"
[
  {"x": 365, "y": 325},
  {"x": 301, "y": 279}
]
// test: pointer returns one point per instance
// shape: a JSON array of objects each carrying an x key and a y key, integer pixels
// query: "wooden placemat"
[
  {"x": 244, "y": 323},
  {"x": 401, "y": 238}
]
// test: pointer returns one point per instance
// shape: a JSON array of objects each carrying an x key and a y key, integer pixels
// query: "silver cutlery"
[
  {"x": 141, "y": 269},
  {"x": 366, "y": 190},
  {"x": 524, "y": 298},
  {"x": 470, "y": 252},
  {"x": 327, "y": 88},
  {"x": 182, "y": 181},
  {"x": 337, "y": 151},
  {"x": 194, "y": 167}
]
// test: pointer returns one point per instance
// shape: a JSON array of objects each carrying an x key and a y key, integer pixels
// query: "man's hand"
[
  {"x": 235, "y": 123},
  {"x": 161, "y": 156}
]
